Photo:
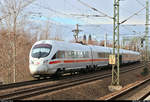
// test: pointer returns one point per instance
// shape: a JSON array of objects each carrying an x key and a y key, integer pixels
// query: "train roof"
[
  {"x": 80, "y": 47},
  {"x": 62, "y": 45}
]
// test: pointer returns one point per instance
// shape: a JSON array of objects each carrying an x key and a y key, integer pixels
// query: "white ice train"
[{"x": 48, "y": 57}]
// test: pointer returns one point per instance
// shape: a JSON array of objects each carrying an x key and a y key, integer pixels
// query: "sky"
[
  {"x": 61, "y": 14},
  {"x": 60, "y": 10}
]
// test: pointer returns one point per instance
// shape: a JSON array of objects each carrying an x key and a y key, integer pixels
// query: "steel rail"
[
  {"x": 144, "y": 96},
  {"x": 115, "y": 95},
  {"x": 22, "y": 94},
  {"x": 32, "y": 82},
  {"x": 20, "y": 84},
  {"x": 125, "y": 90}
]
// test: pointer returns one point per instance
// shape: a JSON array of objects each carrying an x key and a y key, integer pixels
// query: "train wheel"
[
  {"x": 95, "y": 67},
  {"x": 58, "y": 73},
  {"x": 91, "y": 68},
  {"x": 63, "y": 70},
  {"x": 83, "y": 71},
  {"x": 87, "y": 69}
]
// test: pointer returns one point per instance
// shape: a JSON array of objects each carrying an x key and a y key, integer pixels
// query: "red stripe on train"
[
  {"x": 54, "y": 62},
  {"x": 69, "y": 61},
  {"x": 77, "y": 61},
  {"x": 84, "y": 60}
]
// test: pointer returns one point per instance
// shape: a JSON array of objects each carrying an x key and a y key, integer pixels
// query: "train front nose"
[
  {"x": 38, "y": 69},
  {"x": 38, "y": 54},
  {"x": 41, "y": 68},
  {"x": 33, "y": 69}
]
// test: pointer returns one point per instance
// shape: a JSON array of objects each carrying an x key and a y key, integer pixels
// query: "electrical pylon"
[{"x": 115, "y": 85}]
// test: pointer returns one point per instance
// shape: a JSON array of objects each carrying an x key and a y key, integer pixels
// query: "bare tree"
[
  {"x": 12, "y": 10},
  {"x": 45, "y": 32},
  {"x": 58, "y": 33}
]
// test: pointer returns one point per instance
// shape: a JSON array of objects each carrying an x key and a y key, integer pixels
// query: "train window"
[
  {"x": 80, "y": 54},
  {"x": 41, "y": 50},
  {"x": 68, "y": 54},
  {"x": 86, "y": 54},
  {"x": 106, "y": 55},
  {"x": 76, "y": 54},
  {"x": 83, "y": 53},
  {"x": 101, "y": 55},
  {"x": 60, "y": 54},
  {"x": 72, "y": 54}
]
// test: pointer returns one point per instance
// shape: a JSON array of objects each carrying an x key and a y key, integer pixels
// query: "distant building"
[
  {"x": 90, "y": 39},
  {"x": 84, "y": 39}
]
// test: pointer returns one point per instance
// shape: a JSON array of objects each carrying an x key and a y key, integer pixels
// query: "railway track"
[
  {"x": 32, "y": 82},
  {"x": 24, "y": 93},
  {"x": 145, "y": 96},
  {"x": 25, "y": 83},
  {"x": 130, "y": 89}
]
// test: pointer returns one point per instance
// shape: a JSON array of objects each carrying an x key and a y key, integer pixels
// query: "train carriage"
[{"x": 48, "y": 57}]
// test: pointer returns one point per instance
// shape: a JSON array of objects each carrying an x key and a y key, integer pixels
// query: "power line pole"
[
  {"x": 145, "y": 70},
  {"x": 115, "y": 85},
  {"x": 147, "y": 30},
  {"x": 76, "y": 31},
  {"x": 105, "y": 44}
]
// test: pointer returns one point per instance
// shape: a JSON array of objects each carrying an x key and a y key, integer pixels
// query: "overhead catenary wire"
[
  {"x": 110, "y": 16},
  {"x": 70, "y": 4},
  {"x": 104, "y": 14},
  {"x": 86, "y": 15},
  {"x": 133, "y": 31},
  {"x": 140, "y": 3},
  {"x": 70, "y": 15},
  {"x": 56, "y": 11},
  {"x": 52, "y": 10},
  {"x": 65, "y": 14},
  {"x": 82, "y": 15},
  {"x": 132, "y": 15}
]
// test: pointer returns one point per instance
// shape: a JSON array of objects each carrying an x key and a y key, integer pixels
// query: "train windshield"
[{"x": 41, "y": 50}]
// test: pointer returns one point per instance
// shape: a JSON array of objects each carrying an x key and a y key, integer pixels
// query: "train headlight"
[{"x": 45, "y": 62}]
